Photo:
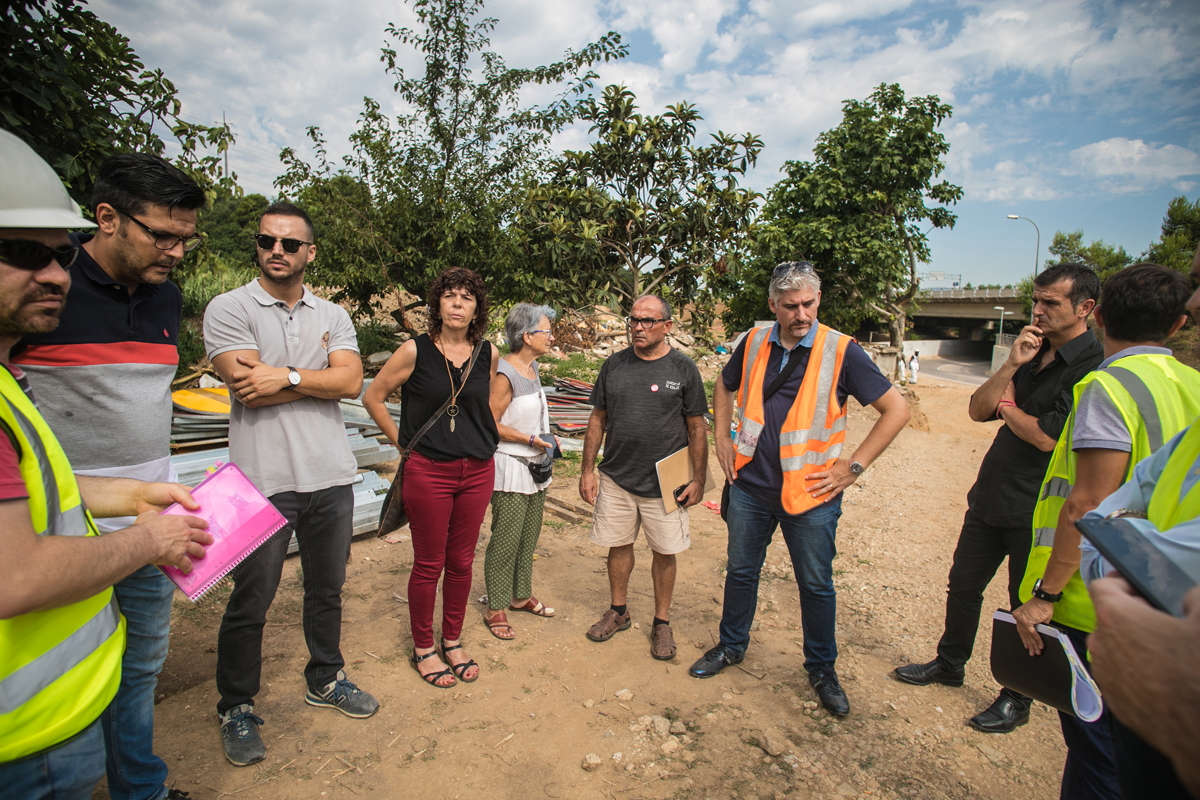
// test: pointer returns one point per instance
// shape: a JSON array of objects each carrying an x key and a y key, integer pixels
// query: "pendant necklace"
[{"x": 452, "y": 409}]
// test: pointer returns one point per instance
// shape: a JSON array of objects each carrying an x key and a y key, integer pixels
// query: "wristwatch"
[
  {"x": 293, "y": 376},
  {"x": 856, "y": 468},
  {"x": 1041, "y": 594}
]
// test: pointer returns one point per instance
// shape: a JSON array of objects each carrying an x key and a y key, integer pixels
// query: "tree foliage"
[
  {"x": 437, "y": 187},
  {"x": 856, "y": 211},
  {"x": 645, "y": 209},
  {"x": 1176, "y": 246},
  {"x": 75, "y": 90},
  {"x": 1104, "y": 259}
]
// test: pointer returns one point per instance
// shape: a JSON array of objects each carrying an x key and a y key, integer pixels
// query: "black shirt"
[
  {"x": 647, "y": 403},
  {"x": 475, "y": 433},
  {"x": 1006, "y": 489}
]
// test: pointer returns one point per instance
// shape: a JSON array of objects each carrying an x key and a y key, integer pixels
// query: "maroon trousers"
[{"x": 446, "y": 501}]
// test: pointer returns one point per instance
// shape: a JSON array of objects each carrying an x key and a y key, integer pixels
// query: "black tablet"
[{"x": 1156, "y": 577}]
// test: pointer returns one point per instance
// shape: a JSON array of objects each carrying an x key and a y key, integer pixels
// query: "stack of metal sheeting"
[
  {"x": 569, "y": 406},
  {"x": 192, "y": 466}
]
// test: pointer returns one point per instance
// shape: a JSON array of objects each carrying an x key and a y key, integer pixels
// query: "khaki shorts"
[{"x": 618, "y": 515}]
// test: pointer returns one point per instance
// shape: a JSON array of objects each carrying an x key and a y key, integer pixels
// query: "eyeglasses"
[
  {"x": 644, "y": 322},
  {"x": 265, "y": 242},
  {"x": 29, "y": 255},
  {"x": 539, "y": 330},
  {"x": 792, "y": 266},
  {"x": 167, "y": 241}
]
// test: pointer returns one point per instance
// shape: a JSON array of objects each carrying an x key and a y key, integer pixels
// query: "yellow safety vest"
[
  {"x": 1169, "y": 506},
  {"x": 60, "y": 668},
  {"x": 812, "y": 435},
  {"x": 1157, "y": 397}
]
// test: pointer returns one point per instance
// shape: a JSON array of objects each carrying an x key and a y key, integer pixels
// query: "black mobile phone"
[
  {"x": 679, "y": 493},
  {"x": 1156, "y": 577},
  {"x": 555, "y": 451}
]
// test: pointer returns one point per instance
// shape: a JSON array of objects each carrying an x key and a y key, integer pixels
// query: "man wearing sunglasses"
[
  {"x": 63, "y": 631},
  {"x": 791, "y": 383},
  {"x": 103, "y": 379}
]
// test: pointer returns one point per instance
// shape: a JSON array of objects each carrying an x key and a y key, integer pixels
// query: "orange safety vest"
[{"x": 815, "y": 429}]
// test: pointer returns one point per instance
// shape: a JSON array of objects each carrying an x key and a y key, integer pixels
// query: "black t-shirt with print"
[{"x": 647, "y": 403}]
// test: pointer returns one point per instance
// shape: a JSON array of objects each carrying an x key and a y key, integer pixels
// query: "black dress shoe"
[
  {"x": 1003, "y": 716},
  {"x": 830, "y": 692},
  {"x": 713, "y": 662},
  {"x": 925, "y": 674}
]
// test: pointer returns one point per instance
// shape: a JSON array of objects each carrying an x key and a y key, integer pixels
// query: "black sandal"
[
  {"x": 459, "y": 669},
  {"x": 433, "y": 677}
]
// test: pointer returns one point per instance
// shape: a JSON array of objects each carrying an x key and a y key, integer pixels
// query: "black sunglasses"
[
  {"x": 166, "y": 241},
  {"x": 792, "y": 266},
  {"x": 265, "y": 242},
  {"x": 32, "y": 256}
]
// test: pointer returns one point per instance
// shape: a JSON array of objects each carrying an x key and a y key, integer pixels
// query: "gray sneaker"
[
  {"x": 344, "y": 696},
  {"x": 239, "y": 734}
]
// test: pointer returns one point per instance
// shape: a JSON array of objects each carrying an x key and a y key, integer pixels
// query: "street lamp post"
[
  {"x": 1037, "y": 256},
  {"x": 1003, "y": 314}
]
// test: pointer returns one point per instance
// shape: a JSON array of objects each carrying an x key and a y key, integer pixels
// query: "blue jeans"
[
  {"x": 810, "y": 541},
  {"x": 68, "y": 772},
  {"x": 134, "y": 772}
]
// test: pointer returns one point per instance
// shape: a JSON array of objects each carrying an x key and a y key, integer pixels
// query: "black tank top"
[{"x": 424, "y": 392}]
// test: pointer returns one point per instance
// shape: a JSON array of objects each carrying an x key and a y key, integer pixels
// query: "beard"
[
  {"x": 22, "y": 317},
  {"x": 283, "y": 273}
]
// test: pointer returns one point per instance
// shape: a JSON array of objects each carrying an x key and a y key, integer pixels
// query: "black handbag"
[
  {"x": 393, "y": 515},
  {"x": 541, "y": 469}
]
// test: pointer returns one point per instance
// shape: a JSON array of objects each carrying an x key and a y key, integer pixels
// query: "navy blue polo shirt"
[
  {"x": 762, "y": 478},
  {"x": 103, "y": 377}
]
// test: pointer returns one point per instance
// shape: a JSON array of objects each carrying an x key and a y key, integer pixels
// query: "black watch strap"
[{"x": 1042, "y": 594}]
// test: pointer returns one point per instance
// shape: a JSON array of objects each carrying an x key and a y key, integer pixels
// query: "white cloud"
[{"x": 1131, "y": 165}]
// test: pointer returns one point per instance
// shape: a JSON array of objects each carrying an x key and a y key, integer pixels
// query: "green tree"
[
  {"x": 1104, "y": 259},
  {"x": 1176, "y": 246},
  {"x": 857, "y": 212},
  {"x": 644, "y": 210},
  {"x": 438, "y": 186},
  {"x": 228, "y": 225},
  {"x": 73, "y": 88}
]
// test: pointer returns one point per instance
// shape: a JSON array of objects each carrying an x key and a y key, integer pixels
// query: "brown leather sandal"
[
  {"x": 499, "y": 620},
  {"x": 608, "y": 626},
  {"x": 662, "y": 643},
  {"x": 533, "y": 606}
]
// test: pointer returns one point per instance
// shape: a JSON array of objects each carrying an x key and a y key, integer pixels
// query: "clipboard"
[{"x": 674, "y": 471}]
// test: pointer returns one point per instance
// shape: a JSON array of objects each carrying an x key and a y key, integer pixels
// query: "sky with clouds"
[{"x": 1076, "y": 114}]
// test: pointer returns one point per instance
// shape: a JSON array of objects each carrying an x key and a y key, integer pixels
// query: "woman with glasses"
[
  {"x": 448, "y": 479},
  {"x": 522, "y": 419}
]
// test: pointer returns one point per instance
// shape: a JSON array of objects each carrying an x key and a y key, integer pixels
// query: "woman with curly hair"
[{"x": 448, "y": 478}]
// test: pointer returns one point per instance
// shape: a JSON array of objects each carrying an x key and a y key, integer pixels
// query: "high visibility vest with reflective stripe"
[
  {"x": 1169, "y": 504},
  {"x": 1157, "y": 397},
  {"x": 815, "y": 428},
  {"x": 60, "y": 668}
]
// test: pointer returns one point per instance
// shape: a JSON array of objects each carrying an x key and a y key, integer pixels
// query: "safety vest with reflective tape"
[
  {"x": 1169, "y": 504},
  {"x": 1157, "y": 397},
  {"x": 815, "y": 428},
  {"x": 59, "y": 668}
]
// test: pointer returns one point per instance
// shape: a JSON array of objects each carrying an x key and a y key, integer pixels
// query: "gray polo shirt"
[{"x": 299, "y": 446}]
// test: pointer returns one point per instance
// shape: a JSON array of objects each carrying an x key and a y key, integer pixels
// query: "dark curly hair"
[{"x": 458, "y": 278}]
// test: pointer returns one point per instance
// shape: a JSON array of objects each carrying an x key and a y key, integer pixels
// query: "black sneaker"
[
  {"x": 176, "y": 794},
  {"x": 344, "y": 696},
  {"x": 712, "y": 662},
  {"x": 239, "y": 734},
  {"x": 830, "y": 692}
]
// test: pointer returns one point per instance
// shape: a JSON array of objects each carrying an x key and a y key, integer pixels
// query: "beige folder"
[{"x": 674, "y": 471}]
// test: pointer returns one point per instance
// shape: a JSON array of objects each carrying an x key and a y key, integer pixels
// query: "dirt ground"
[{"x": 549, "y": 698}]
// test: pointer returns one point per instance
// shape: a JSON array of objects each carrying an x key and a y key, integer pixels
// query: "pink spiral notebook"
[{"x": 239, "y": 518}]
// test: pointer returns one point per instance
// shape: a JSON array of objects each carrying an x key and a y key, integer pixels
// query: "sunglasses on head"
[
  {"x": 265, "y": 242},
  {"x": 792, "y": 266},
  {"x": 31, "y": 255}
]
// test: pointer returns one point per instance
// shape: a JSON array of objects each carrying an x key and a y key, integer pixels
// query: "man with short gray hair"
[{"x": 790, "y": 382}]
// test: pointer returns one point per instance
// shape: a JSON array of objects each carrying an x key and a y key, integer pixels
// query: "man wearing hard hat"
[{"x": 61, "y": 631}]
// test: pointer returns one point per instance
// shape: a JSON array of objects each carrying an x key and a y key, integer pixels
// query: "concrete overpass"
[{"x": 965, "y": 304}]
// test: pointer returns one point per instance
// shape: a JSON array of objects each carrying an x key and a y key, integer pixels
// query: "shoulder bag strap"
[
  {"x": 784, "y": 374},
  {"x": 429, "y": 423}
]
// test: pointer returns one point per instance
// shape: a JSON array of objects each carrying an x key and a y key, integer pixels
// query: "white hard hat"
[{"x": 31, "y": 194}]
